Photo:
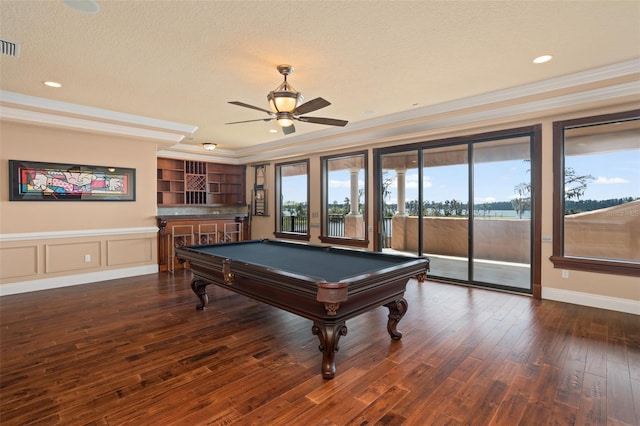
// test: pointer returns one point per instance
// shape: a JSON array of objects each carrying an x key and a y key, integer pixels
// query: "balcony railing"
[
  {"x": 296, "y": 224},
  {"x": 335, "y": 226}
]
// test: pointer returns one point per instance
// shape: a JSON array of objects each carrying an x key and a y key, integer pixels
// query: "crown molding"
[
  {"x": 194, "y": 152},
  {"x": 425, "y": 124},
  {"x": 596, "y": 75},
  {"x": 60, "y": 107},
  {"x": 47, "y": 119},
  {"x": 393, "y": 126},
  {"x": 399, "y": 126}
]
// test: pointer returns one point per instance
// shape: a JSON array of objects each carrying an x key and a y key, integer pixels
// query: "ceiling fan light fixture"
[
  {"x": 209, "y": 146},
  {"x": 284, "y": 100},
  {"x": 286, "y": 105},
  {"x": 284, "y": 119}
]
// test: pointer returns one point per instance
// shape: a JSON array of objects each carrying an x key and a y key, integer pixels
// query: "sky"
[{"x": 616, "y": 175}]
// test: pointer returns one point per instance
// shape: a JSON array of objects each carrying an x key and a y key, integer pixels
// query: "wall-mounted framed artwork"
[
  {"x": 259, "y": 193},
  {"x": 38, "y": 181}
]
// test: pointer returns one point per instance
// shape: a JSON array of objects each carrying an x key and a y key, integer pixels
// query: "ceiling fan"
[{"x": 286, "y": 106}]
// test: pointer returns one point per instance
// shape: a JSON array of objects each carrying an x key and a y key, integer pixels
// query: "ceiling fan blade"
[
  {"x": 289, "y": 130},
  {"x": 322, "y": 120},
  {"x": 249, "y": 121},
  {"x": 242, "y": 104},
  {"x": 312, "y": 105}
]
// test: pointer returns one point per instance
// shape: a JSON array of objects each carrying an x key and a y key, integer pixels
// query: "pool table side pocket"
[{"x": 331, "y": 294}]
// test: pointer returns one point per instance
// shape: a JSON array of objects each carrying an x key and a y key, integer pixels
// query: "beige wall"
[
  {"x": 45, "y": 240},
  {"x": 592, "y": 289},
  {"x": 39, "y": 143}
]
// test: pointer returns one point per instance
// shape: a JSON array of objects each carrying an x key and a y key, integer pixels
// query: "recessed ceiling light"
[
  {"x": 52, "y": 83},
  {"x": 83, "y": 6},
  {"x": 542, "y": 59},
  {"x": 273, "y": 131}
]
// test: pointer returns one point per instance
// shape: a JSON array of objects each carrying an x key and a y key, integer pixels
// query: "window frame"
[
  {"x": 278, "y": 233},
  {"x": 559, "y": 260},
  {"x": 324, "y": 205}
]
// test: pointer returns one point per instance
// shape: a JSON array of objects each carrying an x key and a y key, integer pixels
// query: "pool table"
[{"x": 327, "y": 285}]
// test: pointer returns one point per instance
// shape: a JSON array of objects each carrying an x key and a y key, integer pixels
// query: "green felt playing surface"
[{"x": 311, "y": 261}]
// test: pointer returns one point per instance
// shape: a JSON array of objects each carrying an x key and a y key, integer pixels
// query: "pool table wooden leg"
[
  {"x": 199, "y": 287},
  {"x": 397, "y": 309},
  {"x": 329, "y": 334}
]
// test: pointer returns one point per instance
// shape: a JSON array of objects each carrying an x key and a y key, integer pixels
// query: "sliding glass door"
[
  {"x": 400, "y": 189},
  {"x": 445, "y": 216},
  {"x": 501, "y": 230},
  {"x": 466, "y": 203}
]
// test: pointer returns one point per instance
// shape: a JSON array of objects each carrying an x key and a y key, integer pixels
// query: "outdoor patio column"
[
  {"x": 399, "y": 221},
  {"x": 354, "y": 222},
  {"x": 401, "y": 174},
  {"x": 354, "y": 190}
]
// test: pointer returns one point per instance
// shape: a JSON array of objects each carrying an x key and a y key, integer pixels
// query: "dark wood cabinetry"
[{"x": 198, "y": 183}]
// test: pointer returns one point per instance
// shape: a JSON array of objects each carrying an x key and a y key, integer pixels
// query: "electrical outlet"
[
  {"x": 565, "y": 273},
  {"x": 87, "y": 258}
]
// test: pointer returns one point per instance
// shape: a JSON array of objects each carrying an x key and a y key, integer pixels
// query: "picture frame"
[
  {"x": 260, "y": 202},
  {"x": 259, "y": 193},
  {"x": 42, "y": 181}
]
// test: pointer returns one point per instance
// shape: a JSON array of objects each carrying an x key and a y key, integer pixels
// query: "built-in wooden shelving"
[{"x": 186, "y": 182}]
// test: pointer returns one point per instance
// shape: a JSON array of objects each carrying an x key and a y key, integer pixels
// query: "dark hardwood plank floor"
[{"x": 136, "y": 352}]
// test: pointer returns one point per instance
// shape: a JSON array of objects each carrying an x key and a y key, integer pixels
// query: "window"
[
  {"x": 292, "y": 200},
  {"x": 597, "y": 194},
  {"x": 344, "y": 203}
]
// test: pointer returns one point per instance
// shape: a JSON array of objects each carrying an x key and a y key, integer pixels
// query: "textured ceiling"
[{"x": 183, "y": 61}]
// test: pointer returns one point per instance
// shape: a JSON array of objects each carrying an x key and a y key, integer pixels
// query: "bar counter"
[{"x": 196, "y": 222}]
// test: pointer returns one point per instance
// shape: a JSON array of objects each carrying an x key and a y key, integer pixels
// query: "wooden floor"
[{"x": 136, "y": 352}]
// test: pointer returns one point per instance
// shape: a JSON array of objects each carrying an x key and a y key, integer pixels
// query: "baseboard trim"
[
  {"x": 559, "y": 295},
  {"x": 593, "y": 300},
  {"x": 70, "y": 280}
]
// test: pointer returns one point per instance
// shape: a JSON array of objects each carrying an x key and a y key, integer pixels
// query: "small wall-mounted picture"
[
  {"x": 39, "y": 181},
  {"x": 260, "y": 202}
]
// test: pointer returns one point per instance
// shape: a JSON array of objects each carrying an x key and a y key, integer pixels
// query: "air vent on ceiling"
[{"x": 9, "y": 48}]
